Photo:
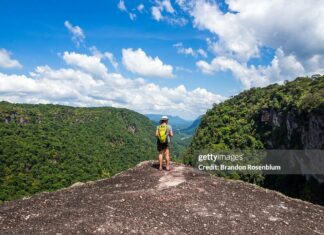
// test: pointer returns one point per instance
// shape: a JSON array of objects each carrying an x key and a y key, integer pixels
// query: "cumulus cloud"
[
  {"x": 189, "y": 51},
  {"x": 315, "y": 64},
  {"x": 83, "y": 85},
  {"x": 156, "y": 13},
  {"x": 166, "y": 4},
  {"x": 283, "y": 67},
  {"x": 293, "y": 29},
  {"x": 164, "y": 11},
  {"x": 76, "y": 32},
  {"x": 295, "y": 26},
  {"x": 91, "y": 64},
  {"x": 251, "y": 24},
  {"x": 138, "y": 62},
  {"x": 161, "y": 6},
  {"x": 6, "y": 61},
  {"x": 140, "y": 8},
  {"x": 233, "y": 36},
  {"x": 105, "y": 55},
  {"x": 121, "y": 6}
]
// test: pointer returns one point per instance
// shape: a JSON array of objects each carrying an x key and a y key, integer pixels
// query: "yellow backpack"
[{"x": 163, "y": 128}]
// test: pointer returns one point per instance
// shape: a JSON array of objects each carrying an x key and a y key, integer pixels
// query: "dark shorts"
[{"x": 162, "y": 146}]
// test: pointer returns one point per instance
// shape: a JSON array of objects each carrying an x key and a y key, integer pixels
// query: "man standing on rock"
[{"x": 164, "y": 133}]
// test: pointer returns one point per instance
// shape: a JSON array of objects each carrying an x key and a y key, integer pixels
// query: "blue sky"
[{"x": 207, "y": 51}]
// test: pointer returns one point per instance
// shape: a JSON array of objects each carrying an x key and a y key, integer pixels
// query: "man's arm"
[
  {"x": 171, "y": 132},
  {"x": 157, "y": 132}
]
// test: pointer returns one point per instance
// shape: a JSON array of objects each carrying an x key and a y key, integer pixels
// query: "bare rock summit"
[{"x": 144, "y": 200}]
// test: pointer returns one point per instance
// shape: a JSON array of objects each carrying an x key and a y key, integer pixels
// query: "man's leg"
[
  {"x": 160, "y": 159},
  {"x": 167, "y": 158}
]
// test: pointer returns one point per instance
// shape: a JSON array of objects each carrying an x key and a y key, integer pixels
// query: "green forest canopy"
[
  {"x": 237, "y": 124},
  {"x": 47, "y": 147}
]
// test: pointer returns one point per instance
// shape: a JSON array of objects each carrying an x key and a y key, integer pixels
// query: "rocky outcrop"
[
  {"x": 292, "y": 130},
  {"x": 15, "y": 118},
  {"x": 312, "y": 135},
  {"x": 144, "y": 200},
  {"x": 131, "y": 128}
]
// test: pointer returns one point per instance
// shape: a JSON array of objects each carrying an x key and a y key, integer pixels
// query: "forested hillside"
[
  {"x": 47, "y": 147},
  {"x": 288, "y": 116}
]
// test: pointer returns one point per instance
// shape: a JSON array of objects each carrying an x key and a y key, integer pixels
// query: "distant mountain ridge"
[
  {"x": 176, "y": 122},
  {"x": 193, "y": 127}
]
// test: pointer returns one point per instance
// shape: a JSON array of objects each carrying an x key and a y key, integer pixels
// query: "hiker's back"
[{"x": 164, "y": 132}]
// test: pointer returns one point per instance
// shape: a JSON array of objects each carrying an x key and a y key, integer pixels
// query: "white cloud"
[
  {"x": 140, "y": 8},
  {"x": 283, "y": 67},
  {"x": 295, "y": 26},
  {"x": 233, "y": 36},
  {"x": 91, "y": 64},
  {"x": 132, "y": 16},
  {"x": 186, "y": 51},
  {"x": 121, "y": 5},
  {"x": 183, "y": 4},
  {"x": 166, "y": 4},
  {"x": 293, "y": 29},
  {"x": 189, "y": 51},
  {"x": 105, "y": 55},
  {"x": 77, "y": 33},
  {"x": 111, "y": 59},
  {"x": 156, "y": 13},
  {"x": 202, "y": 52},
  {"x": 315, "y": 64},
  {"x": 6, "y": 61},
  {"x": 82, "y": 85},
  {"x": 170, "y": 15},
  {"x": 247, "y": 76},
  {"x": 180, "y": 21},
  {"x": 138, "y": 62}
]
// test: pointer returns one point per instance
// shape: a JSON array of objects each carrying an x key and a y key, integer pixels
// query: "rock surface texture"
[{"x": 144, "y": 200}]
